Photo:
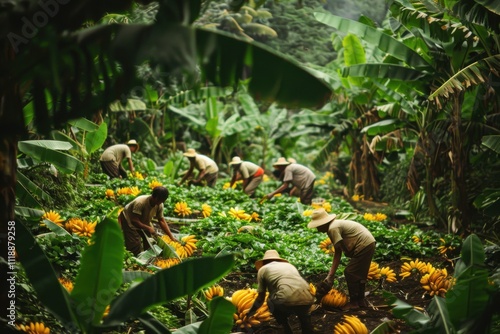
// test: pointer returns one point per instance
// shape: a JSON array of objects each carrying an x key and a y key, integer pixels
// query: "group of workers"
[{"x": 288, "y": 292}]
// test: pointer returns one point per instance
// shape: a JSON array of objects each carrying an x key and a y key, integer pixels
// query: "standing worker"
[
  {"x": 207, "y": 169},
  {"x": 357, "y": 243},
  {"x": 251, "y": 174},
  {"x": 289, "y": 293},
  {"x": 112, "y": 157},
  {"x": 135, "y": 219},
  {"x": 298, "y": 176}
]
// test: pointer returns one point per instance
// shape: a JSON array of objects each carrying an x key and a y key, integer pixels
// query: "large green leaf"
[
  {"x": 56, "y": 229},
  {"x": 440, "y": 317},
  {"x": 130, "y": 105},
  {"x": 28, "y": 192},
  {"x": 94, "y": 140},
  {"x": 220, "y": 319},
  {"x": 60, "y": 136},
  {"x": 376, "y": 37},
  {"x": 84, "y": 124},
  {"x": 100, "y": 274},
  {"x": 153, "y": 325},
  {"x": 48, "y": 151},
  {"x": 383, "y": 71},
  {"x": 382, "y": 127},
  {"x": 42, "y": 276},
  {"x": 168, "y": 284},
  {"x": 225, "y": 60},
  {"x": 406, "y": 311},
  {"x": 492, "y": 142},
  {"x": 472, "y": 251}
]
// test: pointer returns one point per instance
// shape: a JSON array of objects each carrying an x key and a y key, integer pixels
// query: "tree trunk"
[
  {"x": 11, "y": 125},
  {"x": 459, "y": 217}
]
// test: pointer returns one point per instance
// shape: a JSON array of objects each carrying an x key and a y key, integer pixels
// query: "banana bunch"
[
  {"x": 182, "y": 209},
  {"x": 214, "y": 291},
  {"x": 83, "y": 228},
  {"x": 327, "y": 247},
  {"x": 412, "y": 267},
  {"x": 239, "y": 214},
  {"x": 166, "y": 263},
  {"x": 350, "y": 324},
  {"x": 374, "y": 272},
  {"x": 185, "y": 247},
  {"x": 436, "y": 282},
  {"x": 243, "y": 300},
  {"x": 334, "y": 298},
  {"x": 388, "y": 274}
]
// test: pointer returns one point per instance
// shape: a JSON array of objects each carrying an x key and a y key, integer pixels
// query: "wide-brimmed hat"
[
  {"x": 190, "y": 153},
  {"x": 235, "y": 161},
  {"x": 281, "y": 162},
  {"x": 269, "y": 255},
  {"x": 133, "y": 142},
  {"x": 320, "y": 217}
]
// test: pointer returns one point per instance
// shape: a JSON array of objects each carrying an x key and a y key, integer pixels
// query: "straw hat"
[
  {"x": 281, "y": 162},
  {"x": 190, "y": 153},
  {"x": 235, "y": 161},
  {"x": 320, "y": 217},
  {"x": 269, "y": 255},
  {"x": 133, "y": 142}
]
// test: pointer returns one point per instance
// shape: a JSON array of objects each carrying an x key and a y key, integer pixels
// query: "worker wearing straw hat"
[
  {"x": 112, "y": 157},
  {"x": 289, "y": 293},
  {"x": 207, "y": 169},
  {"x": 251, "y": 174},
  {"x": 298, "y": 176},
  {"x": 357, "y": 243}
]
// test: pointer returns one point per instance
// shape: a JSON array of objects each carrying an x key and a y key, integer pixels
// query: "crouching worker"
[
  {"x": 357, "y": 243},
  {"x": 135, "y": 219},
  {"x": 289, "y": 293}
]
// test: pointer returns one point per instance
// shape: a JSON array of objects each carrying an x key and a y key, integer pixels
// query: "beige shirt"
[
  {"x": 284, "y": 283},
  {"x": 300, "y": 176},
  {"x": 247, "y": 169},
  {"x": 355, "y": 235},
  {"x": 142, "y": 207},
  {"x": 116, "y": 153},
  {"x": 203, "y": 162}
]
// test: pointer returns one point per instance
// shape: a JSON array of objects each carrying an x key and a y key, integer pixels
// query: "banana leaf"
[
  {"x": 50, "y": 151},
  {"x": 130, "y": 105},
  {"x": 168, "y": 284},
  {"x": 492, "y": 142},
  {"x": 94, "y": 140},
  {"x": 100, "y": 273},
  {"x": 28, "y": 193},
  {"x": 84, "y": 124}
]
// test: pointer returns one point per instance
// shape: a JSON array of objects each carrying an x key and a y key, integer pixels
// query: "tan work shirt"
[
  {"x": 203, "y": 162},
  {"x": 300, "y": 176},
  {"x": 117, "y": 153},
  {"x": 248, "y": 169},
  {"x": 355, "y": 235},
  {"x": 142, "y": 207},
  {"x": 284, "y": 283}
]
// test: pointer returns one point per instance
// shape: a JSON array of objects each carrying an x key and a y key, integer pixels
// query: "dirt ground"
[{"x": 324, "y": 320}]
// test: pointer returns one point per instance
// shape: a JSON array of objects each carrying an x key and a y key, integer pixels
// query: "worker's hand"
[
  {"x": 269, "y": 196},
  {"x": 151, "y": 230},
  {"x": 328, "y": 279}
]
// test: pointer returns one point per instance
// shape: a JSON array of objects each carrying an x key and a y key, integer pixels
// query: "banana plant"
[{"x": 100, "y": 277}]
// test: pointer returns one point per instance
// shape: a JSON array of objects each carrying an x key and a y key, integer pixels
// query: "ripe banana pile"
[
  {"x": 243, "y": 300},
  {"x": 214, "y": 291},
  {"x": 185, "y": 247},
  {"x": 374, "y": 272},
  {"x": 334, "y": 298},
  {"x": 83, "y": 228},
  {"x": 414, "y": 267},
  {"x": 240, "y": 214},
  {"x": 166, "y": 263},
  {"x": 350, "y": 324},
  {"x": 327, "y": 247},
  {"x": 436, "y": 282},
  {"x": 388, "y": 274}
]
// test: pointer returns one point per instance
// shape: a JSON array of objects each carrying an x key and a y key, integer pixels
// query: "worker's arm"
[
  {"x": 136, "y": 221},
  {"x": 164, "y": 226},
  {"x": 279, "y": 190},
  {"x": 130, "y": 164}
]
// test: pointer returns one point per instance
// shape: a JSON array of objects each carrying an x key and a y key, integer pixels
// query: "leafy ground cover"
[{"x": 214, "y": 222}]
